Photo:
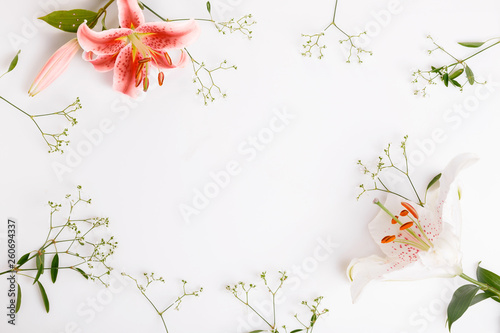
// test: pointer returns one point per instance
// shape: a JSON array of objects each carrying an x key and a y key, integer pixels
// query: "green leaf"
[
  {"x": 44, "y": 297},
  {"x": 433, "y": 181},
  {"x": 472, "y": 44},
  {"x": 480, "y": 297},
  {"x": 13, "y": 63},
  {"x": 40, "y": 259},
  {"x": 313, "y": 319},
  {"x": 69, "y": 20},
  {"x": 456, "y": 73},
  {"x": 18, "y": 300},
  {"x": 81, "y": 272},
  {"x": 209, "y": 7},
  {"x": 488, "y": 277},
  {"x": 54, "y": 268},
  {"x": 23, "y": 260},
  {"x": 299, "y": 330},
  {"x": 445, "y": 79},
  {"x": 456, "y": 84},
  {"x": 460, "y": 302},
  {"x": 470, "y": 75}
]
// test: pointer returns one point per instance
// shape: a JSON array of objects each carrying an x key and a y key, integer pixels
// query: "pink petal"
[
  {"x": 102, "y": 43},
  {"x": 54, "y": 67},
  {"x": 130, "y": 14},
  {"x": 162, "y": 36},
  {"x": 124, "y": 74},
  {"x": 102, "y": 63},
  {"x": 161, "y": 61}
]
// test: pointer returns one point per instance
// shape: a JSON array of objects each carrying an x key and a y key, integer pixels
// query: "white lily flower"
[{"x": 425, "y": 241}]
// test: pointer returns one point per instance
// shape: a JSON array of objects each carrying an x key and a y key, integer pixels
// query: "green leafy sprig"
[
  {"x": 456, "y": 74},
  {"x": 72, "y": 243},
  {"x": 241, "y": 291}
]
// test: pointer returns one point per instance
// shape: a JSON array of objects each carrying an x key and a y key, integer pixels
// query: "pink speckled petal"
[
  {"x": 102, "y": 63},
  {"x": 54, "y": 67},
  {"x": 130, "y": 14},
  {"x": 162, "y": 62},
  {"x": 162, "y": 36},
  {"x": 102, "y": 43},
  {"x": 124, "y": 74}
]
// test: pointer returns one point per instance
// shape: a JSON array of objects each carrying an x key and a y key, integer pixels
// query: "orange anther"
[
  {"x": 406, "y": 226},
  {"x": 161, "y": 78},
  {"x": 145, "y": 84},
  {"x": 167, "y": 57},
  {"x": 403, "y": 213},
  {"x": 144, "y": 60},
  {"x": 410, "y": 209},
  {"x": 388, "y": 239},
  {"x": 393, "y": 221}
]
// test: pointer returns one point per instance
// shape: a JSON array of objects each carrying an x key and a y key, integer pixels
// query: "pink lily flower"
[
  {"x": 418, "y": 242},
  {"x": 132, "y": 49},
  {"x": 54, "y": 67}
]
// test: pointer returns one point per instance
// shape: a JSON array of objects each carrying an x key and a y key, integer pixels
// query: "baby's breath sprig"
[
  {"x": 203, "y": 76},
  {"x": 150, "y": 279},
  {"x": 204, "y": 79},
  {"x": 450, "y": 74},
  {"x": 73, "y": 244},
  {"x": 313, "y": 44},
  {"x": 241, "y": 291},
  {"x": 385, "y": 163},
  {"x": 55, "y": 141}
]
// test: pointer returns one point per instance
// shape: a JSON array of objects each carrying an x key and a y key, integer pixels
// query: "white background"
[{"x": 297, "y": 193}]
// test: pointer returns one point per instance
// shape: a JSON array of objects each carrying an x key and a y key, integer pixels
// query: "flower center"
[
  {"x": 411, "y": 232},
  {"x": 148, "y": 55}
]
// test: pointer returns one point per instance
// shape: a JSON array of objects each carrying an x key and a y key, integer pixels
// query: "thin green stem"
[
  {"x": 483, "y": 286},
  {"x": 481, "y": 51},
  {"x": 99, "y": 14}
]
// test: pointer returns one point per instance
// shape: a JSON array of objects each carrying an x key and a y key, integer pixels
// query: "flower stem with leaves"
[
  {"x": 73, "y": 243},
  {"x": 450, "y": 74}
]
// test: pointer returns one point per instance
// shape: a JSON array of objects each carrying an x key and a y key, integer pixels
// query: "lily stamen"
[
  {"x": 417, "y": 240},
  {"x": 406, "y": 226}
]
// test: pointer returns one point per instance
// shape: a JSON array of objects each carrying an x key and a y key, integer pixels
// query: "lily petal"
[
  {"x": 162, "y": 36},
  {"x": 102, "y": 43},
  {"x": 54, "y": 67},
  {"x": 130, "y": 14},
  {"x": 361, "y": 271},
  {"x": 124, "y": 73},
  {"x": 103, "y": 63},
  {"x": 163, "y": 62},
  {"x": 440, "y": 220}
]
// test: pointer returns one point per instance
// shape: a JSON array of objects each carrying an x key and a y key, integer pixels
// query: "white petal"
[{"x": 362, "y": 271}]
